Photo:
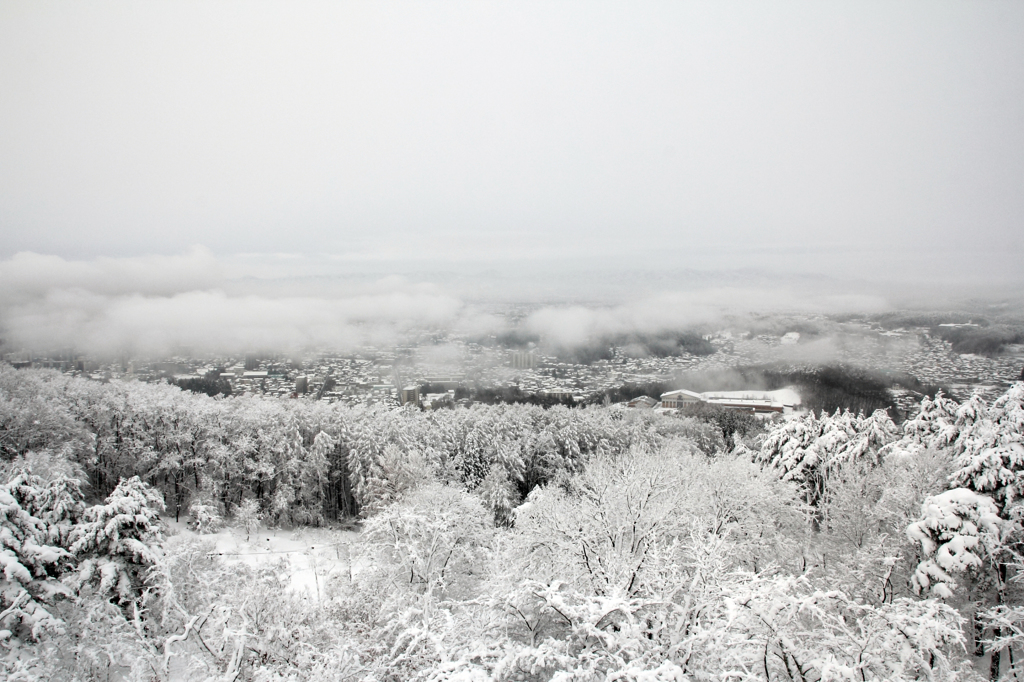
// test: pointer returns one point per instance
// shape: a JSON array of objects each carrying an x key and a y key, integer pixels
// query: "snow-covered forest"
[{"x": 506, "y": 542}]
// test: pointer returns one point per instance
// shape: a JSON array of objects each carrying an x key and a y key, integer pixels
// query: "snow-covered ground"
[{"x": 310, "y": 556}]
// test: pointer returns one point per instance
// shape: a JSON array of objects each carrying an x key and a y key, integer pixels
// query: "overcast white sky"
[
  {"x": 151, "y": 153},
  {"x": 710, "y": 133}
]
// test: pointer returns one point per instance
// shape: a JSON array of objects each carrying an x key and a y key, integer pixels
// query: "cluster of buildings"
[
  {"x": 429, "y": 369},
  {"x": 758, "y": 402}
]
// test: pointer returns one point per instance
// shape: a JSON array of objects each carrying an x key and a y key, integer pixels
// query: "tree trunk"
[{"x": 996, "y": 660}]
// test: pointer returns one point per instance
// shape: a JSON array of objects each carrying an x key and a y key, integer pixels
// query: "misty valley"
[{"x": 797, "y": 497}]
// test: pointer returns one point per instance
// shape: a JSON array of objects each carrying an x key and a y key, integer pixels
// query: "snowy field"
[
  {"x": 785, "y": 396},
  {"x": 307, "y": 557}
]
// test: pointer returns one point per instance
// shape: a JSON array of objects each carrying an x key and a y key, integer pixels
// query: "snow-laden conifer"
[
  {"x": 29, "y": 564},
  {"x": 57, "y": 502},
  {"x": 116, "y": 539},
  {"x": 959, "y": 531},
  {"x": 791, "y": 448},
  {"x": 989, "y": 446},
  {"x": 808, "y": 450},
  {"x": 934, "y": 423}
]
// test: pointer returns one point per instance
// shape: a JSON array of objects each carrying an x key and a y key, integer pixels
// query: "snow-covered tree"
[
  {"x": 57, "y": 502},
  {"x": 863, "y": 547},
  {"x": 34, "y": 415},
  {"x": 974, "y": 530},
  {"x": 115, "y": 542},
  {"x": 712, "y": 624},
  {"x": 248, "y": 516},
  {"x": 313, "y": 478},
  {"x": 206, "y": 517},
  {"x": 959, "y": 532},
  {"x": 499, "y": 494},
  {"x": 809, "y": 450},
  {"x": 430, "y": 542},
  {"x": 933, "y": 426},
  {"x": 30, "y": 566},
  {"x": 989, "y": 446},
  {"x": 782, "y": 628}
]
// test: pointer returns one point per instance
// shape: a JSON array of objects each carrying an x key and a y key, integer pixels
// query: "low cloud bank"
[
  {"x": 572, "y": 326},
  {"x": 27, "y": 276},
  {"x": 156, "y": 305},
  {"x": 207, "y": 321}
]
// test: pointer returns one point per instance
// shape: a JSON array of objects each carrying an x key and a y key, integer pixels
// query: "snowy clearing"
[{"x": 308, "y": 557}]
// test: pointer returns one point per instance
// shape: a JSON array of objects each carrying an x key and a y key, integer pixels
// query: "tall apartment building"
[
  {"x": 410, "y": 394},
  {"x": 524, "y": 359}
]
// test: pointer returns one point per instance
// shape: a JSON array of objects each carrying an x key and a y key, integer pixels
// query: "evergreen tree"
[{"x": 116, "y": 540}]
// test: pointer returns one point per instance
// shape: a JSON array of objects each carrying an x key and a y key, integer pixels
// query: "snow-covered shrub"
[{"x": 206, "y": 517}]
